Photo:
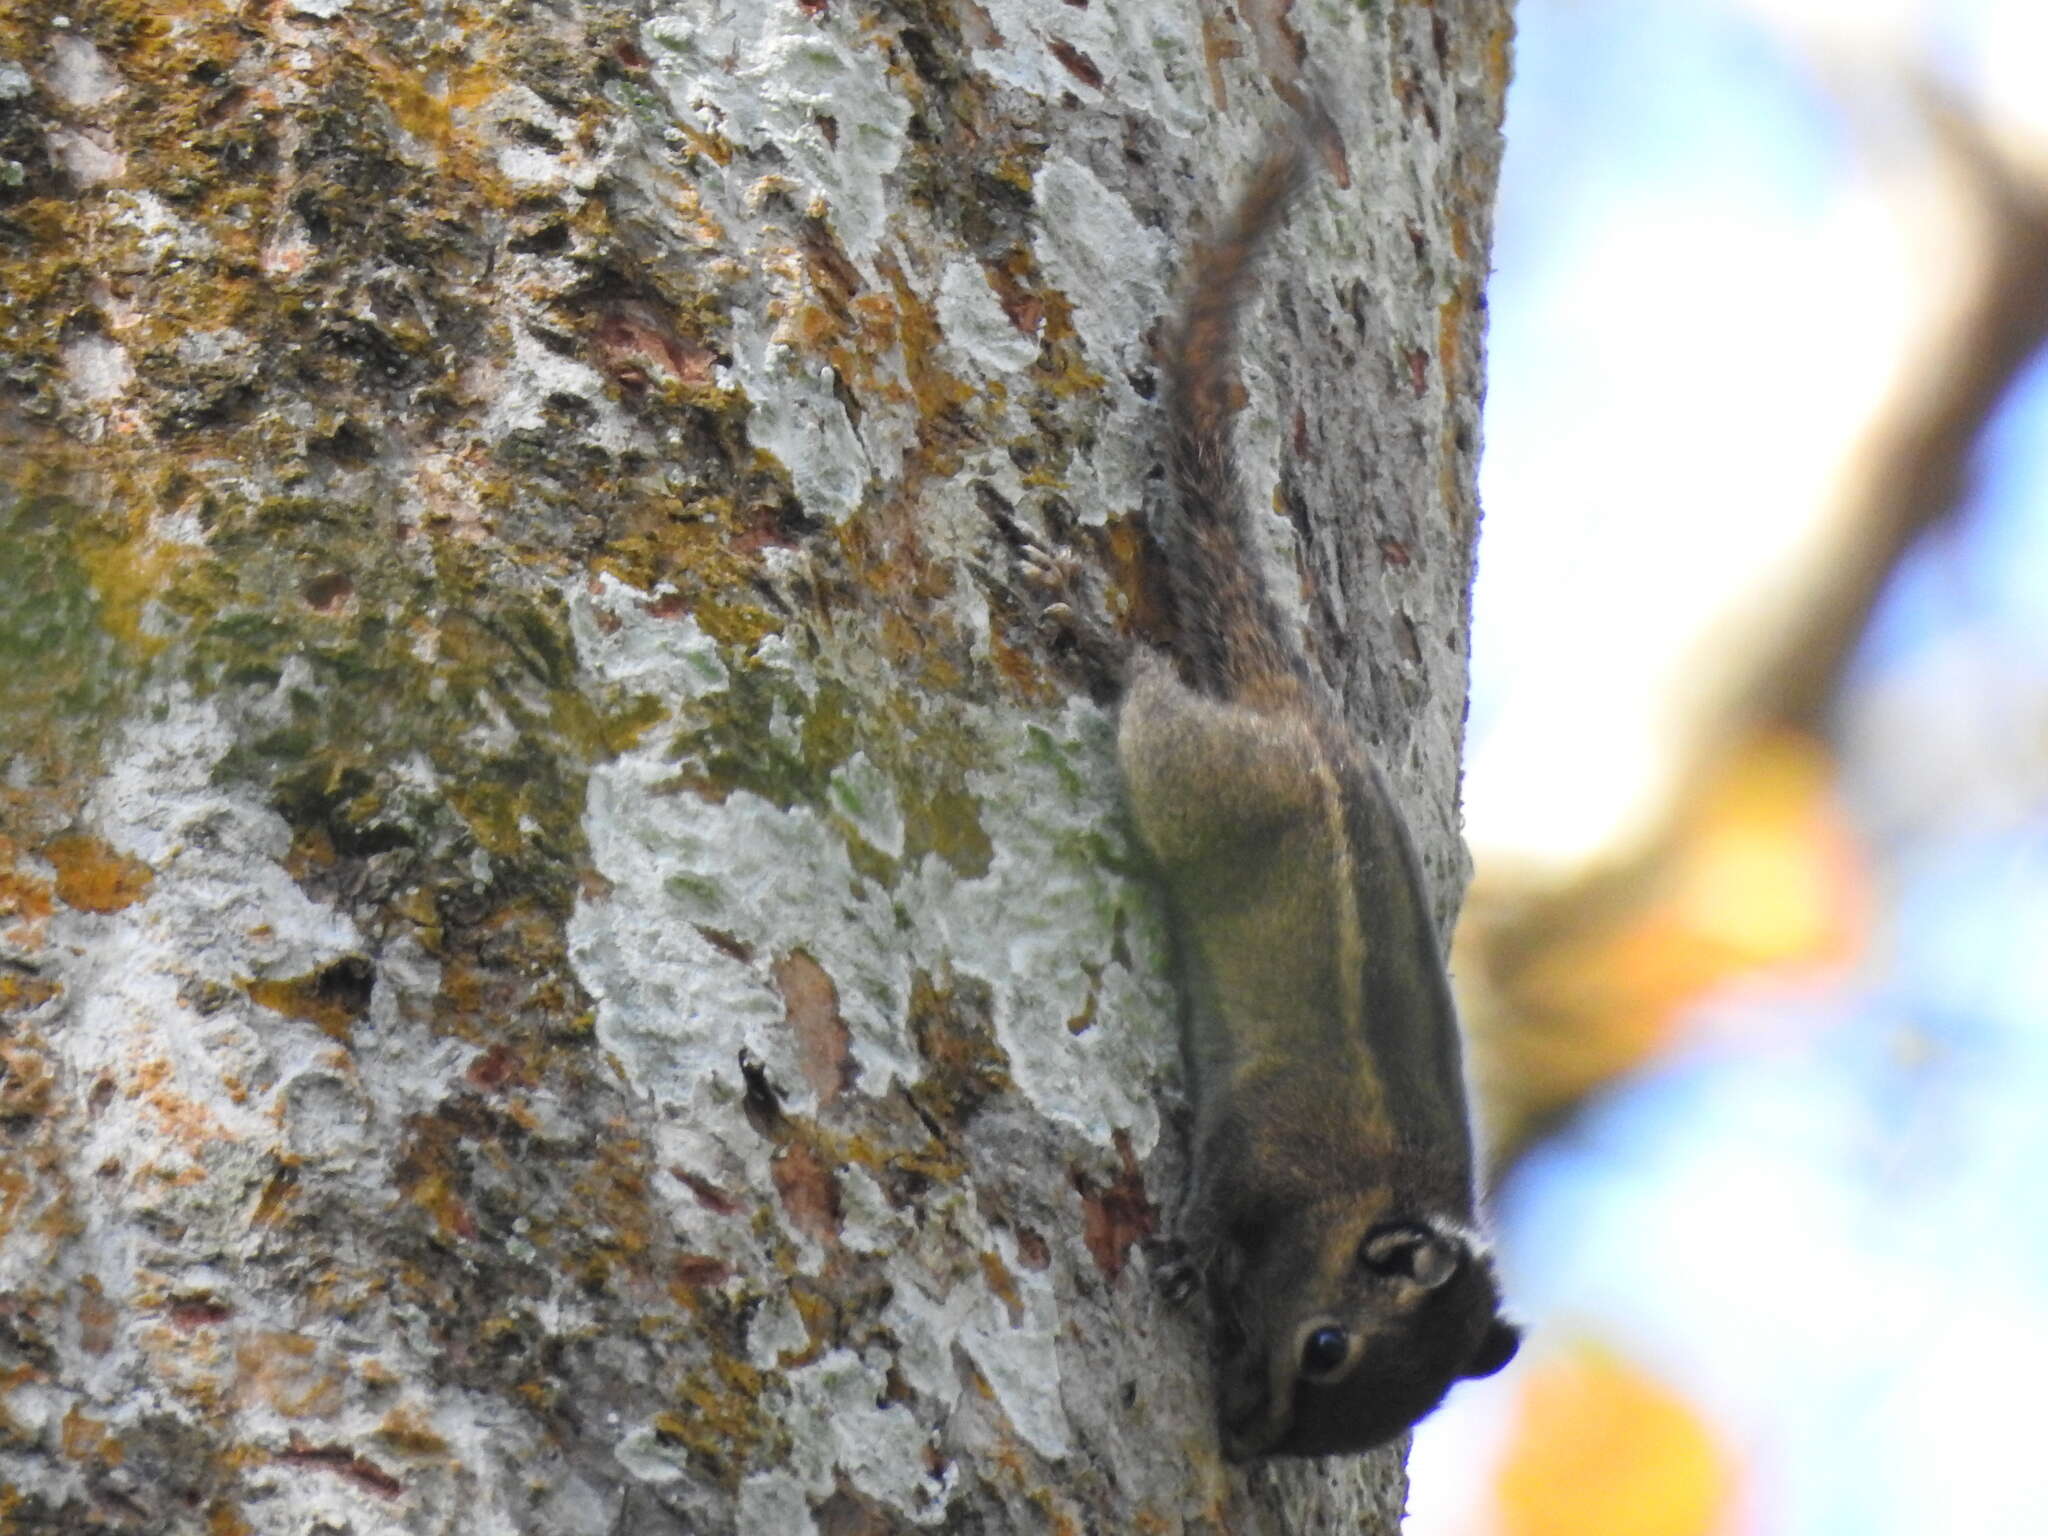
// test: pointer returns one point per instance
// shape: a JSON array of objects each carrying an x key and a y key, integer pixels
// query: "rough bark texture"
[{"x": 569, "y": 960}]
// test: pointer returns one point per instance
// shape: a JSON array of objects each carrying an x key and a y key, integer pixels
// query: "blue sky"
[{"x": 1823, "y": 1222}]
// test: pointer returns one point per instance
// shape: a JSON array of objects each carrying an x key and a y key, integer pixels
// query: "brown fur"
[{"x": 1332, "y": 1187}]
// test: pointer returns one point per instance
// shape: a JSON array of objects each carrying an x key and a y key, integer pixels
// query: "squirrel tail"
[{"x": 1229, "y": 635}]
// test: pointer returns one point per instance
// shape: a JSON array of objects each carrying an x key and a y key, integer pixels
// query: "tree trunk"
[{"x": 571, "y": 962}]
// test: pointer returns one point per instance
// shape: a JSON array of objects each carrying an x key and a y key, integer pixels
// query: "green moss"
[
  {"x": 428, "y": 709},
  {"x": 830, "y": 728},
  {"x": 918, "y": 748},
  {"x": 65, "y": 674},
  {"x": 735, "y": 744},
  {"x": 57, "y": 660},
  {"x": 868, "y": 861},
  {"x": 947, "y": 819}
]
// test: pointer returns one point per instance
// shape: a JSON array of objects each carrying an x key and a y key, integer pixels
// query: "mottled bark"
[{"x": 568, "y": 958}]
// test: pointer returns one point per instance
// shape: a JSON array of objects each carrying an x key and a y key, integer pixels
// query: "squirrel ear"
[
  {"x": 1411, "y": 1252},
  {"x": 1496, "y": 1349}
]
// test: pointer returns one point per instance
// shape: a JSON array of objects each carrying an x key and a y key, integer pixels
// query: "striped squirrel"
[{"x": 1330, "y": 1211}]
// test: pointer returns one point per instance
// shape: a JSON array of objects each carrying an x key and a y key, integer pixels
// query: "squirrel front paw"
[
  {"x": 1176, "y": 1276},
  {"x": 1054, "y": 576}
]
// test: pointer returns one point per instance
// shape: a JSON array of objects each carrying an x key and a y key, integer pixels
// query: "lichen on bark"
[{"x": 568, "y": 961}]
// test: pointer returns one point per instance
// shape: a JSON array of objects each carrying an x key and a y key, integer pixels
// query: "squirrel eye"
[{"x": 1324, "y": 1351}]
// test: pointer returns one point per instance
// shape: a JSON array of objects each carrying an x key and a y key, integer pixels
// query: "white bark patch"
[
  {"x": 841, "y": 1424},
  {"x": 933, "y": 1312},
  {"x": 1021, "y": 1361},
  {"x": 79, "y": 74},
  {"x": 977, "y": 325},
  {"x": 88, "y": 155},
  {"x": 674, "y": 1007},
  {"x": 794, "y": 415},
  {"x": 535, "y": 376},
  {"x": 219, "y": 909},
  {"x": 677, "y": 660},
  {"x": 537, "y": 147},
  {"x": 679, "y": 955},
  {"x": 327, "y": 1118},
  {"x": 1083, "y": 1031},
  {"x": 776, "y": 1329},
  {"x": 836, "y": 1427},
  {"x": 97, "y": 370},
  {"x": 1039, "y": 926},
  {"x": 871, "y": 1224},
  {"x": 926, "y": 1324},
  {"x": 1111, "y": 267},
  {"x": 862, "y": 793},
  {"x": 650, "y": 1458},
  {"x": 573, "y": 1506},
  {"x": 1113, "y": 270},
  {"x": 200, "y": 348},
  {"x": 1149, "y": 56},
  {"x": 156, "y": 233},
  {"x": 211, "y": 1094},
  {"x": 773, "y": 1504},
  {"x": 814, "y": 87}
]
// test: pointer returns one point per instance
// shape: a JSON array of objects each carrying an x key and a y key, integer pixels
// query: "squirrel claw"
[
  {"x": 1055, "y": 578},
  {"x": 1175, "y": 1275},
  {"x": 1057, "y": 570}
]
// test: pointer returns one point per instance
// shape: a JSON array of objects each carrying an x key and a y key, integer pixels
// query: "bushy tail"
[{"x": 1229, "y": 634}]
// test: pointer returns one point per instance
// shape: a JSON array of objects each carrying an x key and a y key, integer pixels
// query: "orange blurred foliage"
[
  {"x": 1760, "y": 870},
  {"x": 1599, "y": 1448}
]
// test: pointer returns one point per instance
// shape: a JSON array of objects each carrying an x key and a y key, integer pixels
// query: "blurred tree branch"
[{"x": 1569, "y": 978}]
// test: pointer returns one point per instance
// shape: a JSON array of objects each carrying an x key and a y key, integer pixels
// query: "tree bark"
[{"x": 571, "y": 963}]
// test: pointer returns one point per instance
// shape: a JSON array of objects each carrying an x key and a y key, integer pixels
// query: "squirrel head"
[{"x": 1348, "y": 1332}]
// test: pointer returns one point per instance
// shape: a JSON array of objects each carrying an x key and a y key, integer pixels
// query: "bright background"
[{"x": 1792, "y": 1277}]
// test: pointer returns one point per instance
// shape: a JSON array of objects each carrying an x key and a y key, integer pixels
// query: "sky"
[{"x": 1819, "y": 1221}]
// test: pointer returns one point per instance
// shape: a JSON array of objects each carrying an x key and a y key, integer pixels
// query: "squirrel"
[{"x": 1330, "y": 1209}]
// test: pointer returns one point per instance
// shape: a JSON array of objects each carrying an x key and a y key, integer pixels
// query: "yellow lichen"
[{"x": 94, "y": 877}]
